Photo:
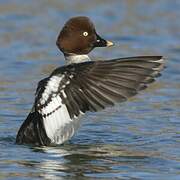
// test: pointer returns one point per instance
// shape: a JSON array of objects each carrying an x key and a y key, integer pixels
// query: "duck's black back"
[{"x": 32, "y": 131}]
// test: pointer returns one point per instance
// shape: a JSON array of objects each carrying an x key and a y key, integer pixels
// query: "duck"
[{"x": 83, "y": 85}]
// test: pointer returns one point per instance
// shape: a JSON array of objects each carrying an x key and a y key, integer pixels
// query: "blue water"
[{"x": 138, "y": 139}]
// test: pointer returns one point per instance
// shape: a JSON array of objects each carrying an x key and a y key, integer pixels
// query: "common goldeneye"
[{"x": 82, "y": 85}]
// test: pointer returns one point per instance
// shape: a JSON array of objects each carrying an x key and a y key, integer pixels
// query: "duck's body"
[{"x": 82, "y": 85}]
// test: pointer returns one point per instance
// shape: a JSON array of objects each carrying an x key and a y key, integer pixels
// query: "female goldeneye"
[{"x": 82, "y": 85}]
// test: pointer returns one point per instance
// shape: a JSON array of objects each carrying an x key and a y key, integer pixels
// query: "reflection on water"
[
  {"x": 138, "y": 139},
  {"x": 89, "y": 160}
]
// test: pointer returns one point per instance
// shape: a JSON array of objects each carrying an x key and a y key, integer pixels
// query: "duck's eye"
[{"x": 85, "y": 33}]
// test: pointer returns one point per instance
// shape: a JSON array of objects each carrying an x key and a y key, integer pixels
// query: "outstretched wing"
[{"x": 91, "y": 86}]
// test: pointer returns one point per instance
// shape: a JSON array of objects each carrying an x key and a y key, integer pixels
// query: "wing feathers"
[
  {"x": 104, "y": 83},
  {"x": 91, "y": 86}
]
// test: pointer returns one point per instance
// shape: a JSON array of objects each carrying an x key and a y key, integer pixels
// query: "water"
[{"x": 139, "y": 139}]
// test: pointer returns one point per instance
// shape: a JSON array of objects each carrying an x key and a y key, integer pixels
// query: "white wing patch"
[
  {"x": 51, "y": 87},
  {"x": 57, "y": 122}
]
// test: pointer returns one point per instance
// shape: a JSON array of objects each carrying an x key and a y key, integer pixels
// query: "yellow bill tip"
[{"x": 109, "y": 43}]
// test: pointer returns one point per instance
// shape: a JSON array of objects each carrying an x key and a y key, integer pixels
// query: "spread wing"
[{"x": 91, "y": 86}]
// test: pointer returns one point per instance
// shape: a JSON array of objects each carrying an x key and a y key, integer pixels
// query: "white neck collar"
[{"x": 77, "y": 58}]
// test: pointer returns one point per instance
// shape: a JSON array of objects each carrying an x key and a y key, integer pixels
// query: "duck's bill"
[{"x": 100, "y": 42}]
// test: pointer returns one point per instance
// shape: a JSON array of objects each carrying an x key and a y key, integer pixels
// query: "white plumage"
[
  {"x": 58, "y": 125},
  {"x": 51, "y": 87}
]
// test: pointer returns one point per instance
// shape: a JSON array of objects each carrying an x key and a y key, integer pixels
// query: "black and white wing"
[{"x": 90, "y": 86}]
